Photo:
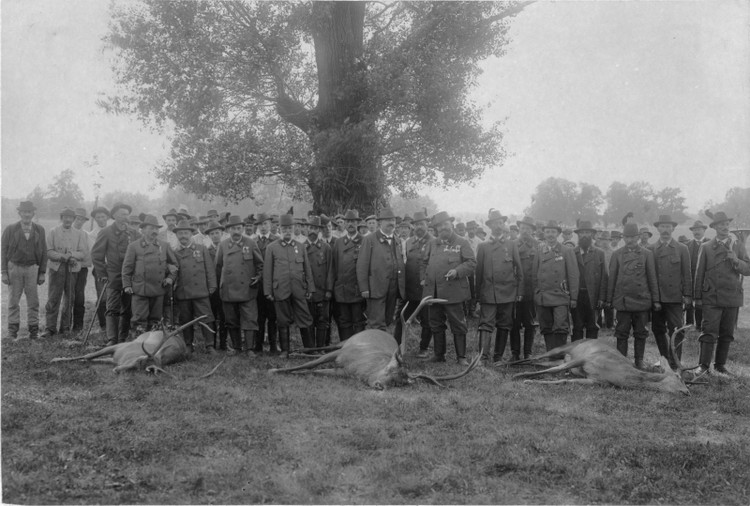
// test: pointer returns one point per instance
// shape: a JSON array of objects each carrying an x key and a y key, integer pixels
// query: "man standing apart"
[
  {"x": 288, "y": 282},
  {"x": 555, "y": 279},
  {"x": 67, "y": 247},
  {"x": 266, "y": 311},
  {"x": 694, "y": 315},
  {"x": 592, "y": 283},
  {"x": 321, "y": 263},
  {"x": 672, "y": 262},
  {"x": 416, "y": 246},
  {"x": 722, "y": 262},
  {"x": 24, "y": 251},
  {"x": 79, "y": 292},
  {"x": 240, "y": 265},
  {"x": 632, "y": 290},
  {"x": 349, "y": 301},
  {"x": 499, "y": 277},
  {"x": 525, "y": 313},
  {"x": 446, "y": 266},
  {"x": 380, "y": 272}
]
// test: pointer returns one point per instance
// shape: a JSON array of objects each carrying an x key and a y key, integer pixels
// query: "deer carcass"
[
  {"x": 168, "y": 348},
  {"x": 374, "y": 357},
  {"x": 597, "y": 363}
]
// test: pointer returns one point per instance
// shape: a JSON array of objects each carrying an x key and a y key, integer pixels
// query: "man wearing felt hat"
[
  {"x": 240, "y": 267},
  {"x": 380, "y": 271},
  {"x": 67, "y": 248},
  {"x": 214, "y": 232},
  {"x": 266, "y": 310},
  {"x": 195, "y": 283},
  {"x": 415, "y": 249},
  {"x": 632, "y": 290},
  {"x": 694, "y": 315},
  {"x": 525, "y": 312},
  {"x": 349, "y": 301},
  {"x": 326, "y": 232},
  {"x": 672, "y": 262},
  {"x": 372, "y": 224},
  {"x": 645, "y": 235},
  {"x": 321, "y": 264},
  {"x": 499, "y": 275},
  {"x": 555, "y": 278},
  {"x": 446, "y": 266},
  {"x": 722, "y": 263},
  {"x": 567, "y": 236},
  {"x": 79, "y": 290},
  {"x": 605, "y": 318},
  {"x": 288, "y": 282},
  {"x": 24, "y": 258},
  {"x": 592, "y": 283},
  {"x": 167, "y": 234},
  {"x": 107, "y": 256},
  {"x": 148, "y": 272}
]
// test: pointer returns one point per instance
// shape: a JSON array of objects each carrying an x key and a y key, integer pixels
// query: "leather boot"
[
  {"x": 704, "y": 362},
  {"x": 459, "y": 341},
  {"x": 13, "y": 330},
  {"x": 187, "y": 335},
  {"x": 438, "y": 347},
  {"x": 678, "y": 340},
  {"x": 235, "y": 341},
  {"x": 256, "y": 344},
  {"x": 561, "y": 339},
  {"x": 273, "y": 349},
  {"x": 549, "y": 341},
  {"x": 320, "y": 337},
  {"x": 663, "y": 344},
  {"x": 592, "y": 334},
  {"x": 485, "y": 341},
  {"x": 307, "y": 342},
  {"x": 639, "y": 348},
  {"x": 112, "y": 329},
  {"x": 222, "y": 329},
  {"x": 515, "y": 344},
  {"x": 209, "y": 338},
  {"x": 501, "y": 340},
  {"x": 124, "y": 329},
  {"x": 622, "y": 346},
  {"x": 528, "y": 342},
  {"x": 252, "y": 338},
  {"x": 284, "y": 341},
  {"x": 33, "y": 332},
  {"x": 722, "y": 352}
]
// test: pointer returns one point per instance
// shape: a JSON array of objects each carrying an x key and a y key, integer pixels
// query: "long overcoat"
[
  {"x": 196, "y": 277},
  {"x": 592, "y": 268},
  {"x": 442, "y": 256},
  {"x": 632, "y": 284},
  {"x": 238, "y": 263},
  {"x": 109, "y": 251},
  {"x": 555, "y": 275},
  {"x": 378, "y": 264},
  {"x": 499, "y": 273},
  {"x": 321, "y": 264},
  {"x": 672, "y": 262},
  {"x": 415, "y": 250},
  {"x": 146, "y": 266},
  {"x": 286, "y": 270},
  {"x": 345, "y": 255},
  {"x": 717, "y": 281}
]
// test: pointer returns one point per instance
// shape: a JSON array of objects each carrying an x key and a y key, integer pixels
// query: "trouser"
[
  {"x": 584, "y": 317},
  {"x": 61, "y": 285},
  {"x": 119, "y": 311},
  {"x": 718, "y": 324},
  {"x": 293, "y": 310},
  {"x": 217, "y": 309},
  {"x": 23, "y": 280},
  {"x": 380, "y": 311},
  {"x": 241, "y": 315},
  {"x": 101, "y": 311},
  {"x": 636, "y": 320},
  {"x": 523, "y": 316},
  {"x": 266, "y": 317},
  {"x": 147, "y": 311},
  {"x": 666, "y": 321},
  {"x": 553, "y": 319},
  {"x": 190, "y": 309},
  {"x": 454, "y": 315},
  {"x": 320, "y": 312},
  {"x": 351, "y": 319},
  {"x": 694, "y": 316},
  {"x": 471, "y": 304},
  {"x": 424, "y": 322},
  {"x": 79, "y": 298}
]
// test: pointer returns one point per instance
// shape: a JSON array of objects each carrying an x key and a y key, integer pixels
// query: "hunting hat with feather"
[
  {"x": 441, "y": 217},
  {"x": 100, "y": 209},
  {"x": 717, "y": 217},
  {"x": 150, "y": 219},
  {"x": 213, "y": 225},
  {"x": 494, "y": 215},
  {"x": 420, "y": 216},
  {"x": 183, "y": 225}
]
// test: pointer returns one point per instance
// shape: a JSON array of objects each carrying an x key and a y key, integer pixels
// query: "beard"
[{"x": 584, "y": 242}]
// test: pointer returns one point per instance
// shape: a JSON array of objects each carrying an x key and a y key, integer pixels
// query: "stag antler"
[
  {"x": 170, "y": 335},
  {"x": 437, "y": 379},
  {"x": 427, "y": 301},
  {"x": 680, "y": 367}
]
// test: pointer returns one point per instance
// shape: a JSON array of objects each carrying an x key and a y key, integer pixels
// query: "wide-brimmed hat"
[
  {"x": 171, "y": 212},
  {"x": 351, "y": 214},
  {"x": 81, "y": 213},
  {"x": 683, "y": 239},
  {"x": 665, "y": 218},
  {"x": 26, "y": 205},
  {"x": 527, "y": 220},
  {"x": 567, "y": 230},
  {"x": 149, "y": 219},
  {"x": 472, "y": 224},
  {"x": 201, "y": 220},
  {"x": 406, "y": 224},
  {"x": 286, "y": 220},
  {"x": 386, "y": 214},
  {"x": 480, "y": 231},
  {"x": 314, "y": 221},
  {"x": 183, "y": 212},
  {"x": 604, "y": 235},
  {"x": 698, "y": 224},
  {"x": 644, "y": 230},
  {"x": 494, "y": 215},
  {"x": 585, "y": 225},
  {"x": 552, "y": 224},
  {"x": 119, "y": 205},
  {"x": 616, "y": 234},
  {"x": 631, "y": 230},
  {"x": 262, "y": 217},
  {"x": 213, "y": 225},
  {"x": 100, "y": 209},
  {"x": 420, "y": 216},
  {"x": 371, "y": 217},
  {"x": 135, "y": 219},
  {"x": 233, "y": 220},
  {"x": 718, "y": 218},
  {"x": 212, "y": 212},
  {"x": 441, "y": 217},
  {"x": 324, "y": 220},
  {"x": 67, "y": 212},
  {"x": 249, "y": 219},
  {"x": 514, "y": 227},
  {"x": 183, "y": 225},
  {"x": 460, "y": 225}
]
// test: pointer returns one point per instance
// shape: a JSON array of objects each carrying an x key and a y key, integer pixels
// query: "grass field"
[{"x": 77, "y": 433}]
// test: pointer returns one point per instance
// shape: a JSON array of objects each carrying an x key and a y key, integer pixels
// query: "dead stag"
[
  {"x": 599, "y": 364},
  {"x": 374, "y": 357}
]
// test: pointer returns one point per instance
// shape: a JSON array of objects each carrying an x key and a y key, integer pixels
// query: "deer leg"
[
  {"x": 562, "y": 367},
  {"x": 579, "y": 381},
  {"x": 330, "y": 357},
  {"x": 109, "y": 350}
]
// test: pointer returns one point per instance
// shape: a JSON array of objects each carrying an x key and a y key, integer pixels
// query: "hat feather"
[
  {"x": 708, "y": 213},
  {"x": 627, "y": 217}
]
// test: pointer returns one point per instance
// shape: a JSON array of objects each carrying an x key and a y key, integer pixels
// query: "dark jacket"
[
  {"x": 238, "y": 263},
  {"x": 321, "y": 263},
  {"x": 499, "y": 273},
  {"x": 592, "y": 268},
  {"x": 286, "y": 271},
  {"x": 146, "y": 266},
  {"x": 108, "y": 253},
  {"x": 345, "y": 255},
  {"x": 693, "y": 246},
  {"x": 378, "y": 264},
  {"x": 13, "y": 237},
  {"x": 415, "y": 250},
  {"x": 672, "y": 263},
  {"x": 555, "y": 275},
  {"x": 196, "y": 277},
  {"x": 632, "y": 284},
  {"x": 527, "y": 252},
  {"x": 718, "y": 282},
  {"x": 439, "y": 258}
]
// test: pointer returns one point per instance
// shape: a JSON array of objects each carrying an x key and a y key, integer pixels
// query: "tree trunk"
[{"x": 347, "y": 172}]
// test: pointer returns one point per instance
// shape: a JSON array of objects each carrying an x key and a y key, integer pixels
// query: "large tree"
[
  {"x": 341, "y": 101},
  {"x": 565, "y": 201},
  {"x": 644, "y": 202}
]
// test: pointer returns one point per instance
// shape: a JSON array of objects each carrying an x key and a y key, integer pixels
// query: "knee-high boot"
[
  {"x": 722, "y": 353},
  {"x": 306, "y": 340},
  {"x": 639, "y": 348},
  {"x": 485, "y": 341},
  {"x": 501, "y": 340},
  {"x": 528, "y": 341},
  {"x": 235, "y": 341},
  {"x": 252, "y": 338},
  {"x": 704, "y": 362},
  {"x": 112, "y": 328},
  {"x": 549, "y": 341},
  {"x": 284, "y": 341},
  {"x": 459, "y": 341},
  {"x": 622, "y": 346},
  {"x": 438, "y": 347},
  {"x": 321, "y": 335}
]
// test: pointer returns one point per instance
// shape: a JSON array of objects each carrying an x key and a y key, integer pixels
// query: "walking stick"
[{"x": 96, "y": 309}]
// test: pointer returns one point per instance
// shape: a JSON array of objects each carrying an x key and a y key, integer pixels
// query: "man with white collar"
[
  {"x": 380, "y": 271},
  {"x": 266, "y": 311},
  {"x": 722, "y": 262},
  {"x": 321, "y": 264},
  {"x": 349, "y": 301},
  {"x": 167, "y": 234},
  {"x": 592, "y": 286},
  {"x": 672, "y": 262},
  {"x": 694, "y": 315}
]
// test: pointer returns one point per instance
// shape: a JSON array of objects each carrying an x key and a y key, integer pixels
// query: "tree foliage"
[
  {"x": 737, "y": 206},
  {"x": 337, "y": 101},
  {"x": 644, "y": 202},
  {"x": 565, "y": 201},
  {"x": 64, "y": 191}
]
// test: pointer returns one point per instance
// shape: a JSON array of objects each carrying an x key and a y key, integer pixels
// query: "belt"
[{"x": 22, "y": 264}]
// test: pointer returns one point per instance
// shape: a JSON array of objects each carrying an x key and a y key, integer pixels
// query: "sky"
[{"x": 593, "y": 92}]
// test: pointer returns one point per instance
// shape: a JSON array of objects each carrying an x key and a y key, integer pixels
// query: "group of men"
[{"x": 253, "y": 279}]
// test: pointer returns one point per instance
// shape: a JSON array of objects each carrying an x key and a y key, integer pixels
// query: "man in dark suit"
[
  {"x": 349, "y": 301},
  {"x": 321, "y": 263},
  {"x": 592, "y": 286},
  {"x": 266, "y": 310},
  {"x": 693, "y": 315}
]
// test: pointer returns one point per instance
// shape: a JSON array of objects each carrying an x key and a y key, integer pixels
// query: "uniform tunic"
[
  {"x": 288, "y": 277},
  {"x": 555, "y": 278},
  {"x": 499, "y": 276},
  {"x": 632, "y": 289},
  {"x": 238, "y": 263}
]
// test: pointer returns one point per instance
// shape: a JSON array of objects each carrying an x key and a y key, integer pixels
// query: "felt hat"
[
  {"x": 262, "y": 217},
  {"x": 604, "y": 235},
  {"x": 514, "y": 227},
  {"x": 631, "y": 230},
  {"x": 149, "y": 219},
  {"x": 665, "y": 218},
  {"x": 616, "y": 234},
  {"x": 67, "y": 212},
  {"x": 233, "y": 220},
  {"x": 584, "y": 225},
  {"x": 371, "y": 217},
  {"x": 201, "y": 220},
  {"x": 644, "y": 230},
  {"x": 460, "y": 225},
  {"x": 472, "y": 224},
  {"x": 249, "y": 219},
  {"x": 552, "y": 224},
  {"x": 351, "y": 214},
  {"x": 495, "y": 215},
  {"x": 183, "y": 212},
  {"x": 718, "y": 218},
  {"x": 171, "y": 212},
  {"x": 683, "y": 239},
  {"x": 386, "y": 214},
  {"x": 314, "y": 221},
  {"x": 183, "y": 225},
  {"x": 324, "y": 220},
  {"x": 100, "y": 209},
  {"x": 26, "y": 205},
  {"x": 420, "y": 216},
  {"x": 81, "y": 213},
  {"x": 120, "y": 205},
  {"x": 441, "y": 217},
  {"x": 286, "y": 220},
  {"x": 213, "y": 225},
  {"x": 212, "y": 212},
  {"x": 527, "y": 220},
  {"x": 698, "y": 224}
]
